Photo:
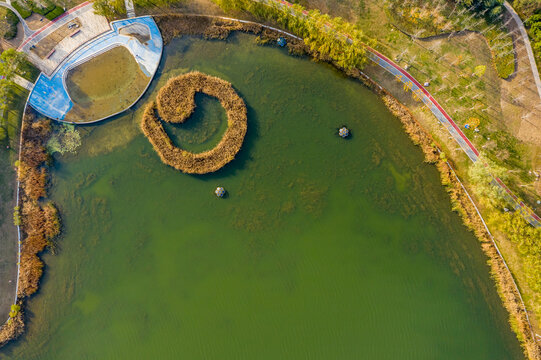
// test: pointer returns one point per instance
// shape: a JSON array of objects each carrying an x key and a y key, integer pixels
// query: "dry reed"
[
  {"x": 175, "y": 103},
  {"x": 39, "y": 220}
]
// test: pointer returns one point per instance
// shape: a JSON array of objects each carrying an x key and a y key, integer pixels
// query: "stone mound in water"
[{"x": 175, "y": 103}]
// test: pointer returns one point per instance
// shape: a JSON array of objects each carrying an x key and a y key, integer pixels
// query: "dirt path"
[
  {"x": 520, "y": 97},
  {"x": 526, "y": 44}
]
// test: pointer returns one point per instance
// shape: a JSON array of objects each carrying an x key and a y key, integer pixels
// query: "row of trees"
[
  {"x": 534, "y": 22},
  {"x": 491, "y": 9},
  {"x": 8, "y": 23},
  {"x": 322, "y": 33},
  {"x": 526, "y": 238},
  {"x": 10, "y": 62},
  {"x": 113, "y": 9}
]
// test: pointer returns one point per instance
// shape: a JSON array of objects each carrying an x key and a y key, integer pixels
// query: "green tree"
[
  {"x": 481, "y": 175},
  {"x": 8, "y": 23},
  {"x": 14, "y": 310},
  {"x": 479, "y": 70},
  {"x": 10, "y": 61},
  {"x": 490, "y": 9},
  {"x": 111, "y": 9}
]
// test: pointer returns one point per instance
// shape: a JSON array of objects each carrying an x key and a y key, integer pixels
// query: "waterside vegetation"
[
  {"x": 320, "y": 32},
  {"x": 38, "y": 218},
  {"x": 175, "y": 103},
  {"x": 463, "y": 204}
]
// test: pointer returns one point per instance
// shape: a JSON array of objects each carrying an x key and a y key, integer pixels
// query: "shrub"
[
  {"x": 14, "y": 310},
  {"x": 16, "y": 216},
  {"x": 111, "y": 9},
  {"x": 43, "y": 10},
  {"x": 9, "y": 23},
  {"x": 55, "y": 13},
  {"x": 24, "y": 12}
]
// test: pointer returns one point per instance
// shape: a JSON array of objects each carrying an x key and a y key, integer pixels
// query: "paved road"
[
  {"x": 130, "y": 9},
  {"x": 27, "y": 31},
  {"x": 527, "y": 44}
]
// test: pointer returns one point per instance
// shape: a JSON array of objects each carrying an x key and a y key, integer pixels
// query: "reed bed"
[
  {"x": 39, "y": 219},
  {"x": 175, "y": 103}
]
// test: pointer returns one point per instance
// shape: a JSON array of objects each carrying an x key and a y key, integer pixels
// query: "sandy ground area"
[
  {"x": 45, "y": 46},
  {"x": 16, "y": 41},
  {"x": 36, "y": 21}
]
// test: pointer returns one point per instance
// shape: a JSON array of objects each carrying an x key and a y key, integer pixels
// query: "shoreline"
[{"x": 220, "y": 28}]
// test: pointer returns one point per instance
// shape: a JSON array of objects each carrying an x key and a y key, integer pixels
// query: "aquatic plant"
[
  {"x": 175, "y": 103},
  {"x": 66, "y": 139}
]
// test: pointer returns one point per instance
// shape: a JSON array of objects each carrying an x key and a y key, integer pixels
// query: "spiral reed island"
[{"x": 175, "y": 103}]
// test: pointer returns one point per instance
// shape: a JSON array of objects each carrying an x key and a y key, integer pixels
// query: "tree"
[
  {"x": 111, "y": 9},
  {"x": 10, "y": 61},
  {"x": 482, "y": 174},
  {"x": 8, "y": 23},
  {"x": 491, "y": 9},
  {"x": 479, "y": 70}
]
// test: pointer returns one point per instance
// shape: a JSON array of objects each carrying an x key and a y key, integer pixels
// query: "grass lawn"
[
  {"x": 12, "y": 117},
  {"x": 28, "y": 71}
]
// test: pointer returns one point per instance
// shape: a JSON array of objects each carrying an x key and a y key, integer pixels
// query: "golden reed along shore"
[
  {"x": 175, "y": 103},
  {"x": 37, "y": 217}
]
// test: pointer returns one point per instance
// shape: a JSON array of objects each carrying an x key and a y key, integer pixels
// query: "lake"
[{"x": 325, "y": 248}]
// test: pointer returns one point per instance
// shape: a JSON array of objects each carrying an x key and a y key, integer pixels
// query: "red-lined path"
[{"x": 45, "y": 27}]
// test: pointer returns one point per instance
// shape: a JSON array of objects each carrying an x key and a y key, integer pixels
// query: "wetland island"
[{"x": 260, "y": 179}]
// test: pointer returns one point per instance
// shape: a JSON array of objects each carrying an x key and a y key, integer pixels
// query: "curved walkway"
[
  {"x": 527, "y": 44},
  {"x": 27, "y": 31}
]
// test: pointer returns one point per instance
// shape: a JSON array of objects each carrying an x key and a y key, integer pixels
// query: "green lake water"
[{"x": 325, "y": 248}]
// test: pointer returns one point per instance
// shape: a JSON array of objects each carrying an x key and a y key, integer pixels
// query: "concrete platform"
[
  {"x": 49, "y": 95},
  {"x": 92, "y": 25}
]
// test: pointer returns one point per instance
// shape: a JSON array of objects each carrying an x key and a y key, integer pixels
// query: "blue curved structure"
[{"x": 50, "y": 96}]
